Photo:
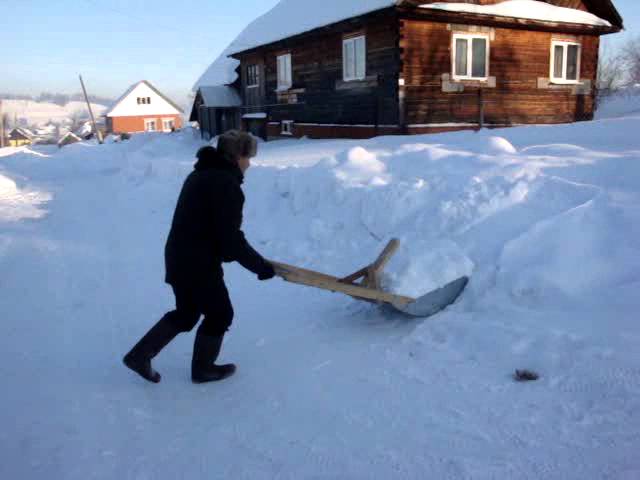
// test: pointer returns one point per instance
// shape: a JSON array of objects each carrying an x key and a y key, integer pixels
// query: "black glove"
[{"x": 267, "y": 272}]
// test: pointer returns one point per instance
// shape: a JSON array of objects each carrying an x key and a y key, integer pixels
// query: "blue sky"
[{"x": 115, "y": 43}]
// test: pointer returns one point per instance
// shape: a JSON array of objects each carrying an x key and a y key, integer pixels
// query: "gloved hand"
[{"x": 267, "y": 272}]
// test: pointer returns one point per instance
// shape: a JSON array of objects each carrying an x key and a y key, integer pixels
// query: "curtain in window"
[
  {"x": 558, "y": 61},
  {"x": 461, "y": 57}
]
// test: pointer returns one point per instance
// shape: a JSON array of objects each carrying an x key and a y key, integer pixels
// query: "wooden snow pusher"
[{"x": 369, "y": 288}]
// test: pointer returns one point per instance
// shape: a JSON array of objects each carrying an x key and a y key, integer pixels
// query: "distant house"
[
  {"x": 68, "y": 138},
  {"x": 20, "y": 136},
  {"x": 142, "y": 108},
  {"x": 353, "y": 68}
]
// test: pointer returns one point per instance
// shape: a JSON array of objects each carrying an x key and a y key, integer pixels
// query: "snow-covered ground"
[{"x": 545, "y": 219}]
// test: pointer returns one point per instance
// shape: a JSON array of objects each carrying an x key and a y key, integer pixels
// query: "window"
[
  {"x": 168, "y": 124},
  {"x": 565, "y": 62},
  {"x": 253, "y": 76},
  {"x": 354, "y": 58},
  {"x": 144, "y": 100},
  {"x": 287, "y": 127},
  {"x": 150, "y": 126},
  {"x": 284, "y": 72},
  {"x": 470, "y": 57}
]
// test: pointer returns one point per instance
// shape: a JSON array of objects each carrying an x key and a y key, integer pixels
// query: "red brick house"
[{"x": 143, "y": 108}]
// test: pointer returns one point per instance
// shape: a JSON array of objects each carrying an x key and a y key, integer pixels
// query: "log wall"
[
  {"x": 518, "y": 93},
  {"x": 318, "y": 94}
]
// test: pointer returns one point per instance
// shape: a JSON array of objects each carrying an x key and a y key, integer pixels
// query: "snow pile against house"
[{"x": 526, "y": 9}]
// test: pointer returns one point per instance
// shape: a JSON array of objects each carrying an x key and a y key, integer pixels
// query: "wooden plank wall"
[
  {"x": 518, "y": 58},
  {"x": 317, "y": 73}
]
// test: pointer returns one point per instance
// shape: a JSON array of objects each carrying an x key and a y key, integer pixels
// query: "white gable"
[{"x": 128, "y": 105}]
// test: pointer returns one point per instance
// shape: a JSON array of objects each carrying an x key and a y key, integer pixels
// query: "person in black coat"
[{"x": 205, "y": 232}]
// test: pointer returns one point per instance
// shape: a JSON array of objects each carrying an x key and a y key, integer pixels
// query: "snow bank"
[
  {"x": 624, "y": 103},
  {"x": 527, "y": 9},
  {"x": 18, "y": 204},
  {"x": 546, "y": 220}
]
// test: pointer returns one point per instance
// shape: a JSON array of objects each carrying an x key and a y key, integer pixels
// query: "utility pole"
[
  {"x": 93, "y": 120},
  {"x": 1, "y": 126}
]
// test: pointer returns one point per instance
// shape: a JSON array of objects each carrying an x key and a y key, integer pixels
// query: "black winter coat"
[{"x": 206, "y": 228}]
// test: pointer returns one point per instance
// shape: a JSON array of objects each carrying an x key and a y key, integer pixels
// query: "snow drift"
[{"x": 545, "y": 219}]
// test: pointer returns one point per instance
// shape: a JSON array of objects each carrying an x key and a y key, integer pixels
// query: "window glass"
[
  {"x": 479, "y": 59},
  {"x": 252, "y": 76},
  {"x": 354, "y": 53},
  {"x": 360, "y": 58},
  {"x": 572, "y": 62},
  {"x": 284, "y": 70},
  {"x": 461, "y": 56},
  {"x": 349, "y": 59}
]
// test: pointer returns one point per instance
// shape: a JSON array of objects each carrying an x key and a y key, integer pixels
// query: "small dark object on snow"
[{"x": 525, "y": 376}]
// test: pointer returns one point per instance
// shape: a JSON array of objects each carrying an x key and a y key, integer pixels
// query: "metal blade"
[{"x": 436, "y": 300}]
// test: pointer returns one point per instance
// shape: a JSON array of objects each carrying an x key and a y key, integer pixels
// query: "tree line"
[
  {"x": 619, "y": 67},
  {"x": 57, "y": 98}
]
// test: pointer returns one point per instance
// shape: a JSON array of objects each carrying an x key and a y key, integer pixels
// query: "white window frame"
[
  {"x": 469, "y": 37},
  {"x": 286, "y": 127},
  {"x": 362, "y": 62},
  {"x": 168, "y": 119},
  {"x": 147, "y": 121},
  {"x": 257, "y": 84},
  {"x": 285, "y": 78},
  {"x": 565, "y": 62}
]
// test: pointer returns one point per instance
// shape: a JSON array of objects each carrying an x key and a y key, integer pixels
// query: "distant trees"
[
  {"x": 631, "y": 55},
  {"x": 618, "y": 68},
  {"x": 58, "y": 98}
]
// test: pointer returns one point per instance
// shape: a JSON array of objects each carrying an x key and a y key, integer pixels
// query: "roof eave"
[{"x": 506, "y": 22}]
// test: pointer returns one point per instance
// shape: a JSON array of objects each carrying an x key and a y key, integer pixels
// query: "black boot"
[
  {"x": 205, "y": 352},
  {"x": 139, "y": 358}
]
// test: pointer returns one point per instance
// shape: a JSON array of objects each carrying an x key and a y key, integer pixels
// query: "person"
[{"x": 205, "y": 232}]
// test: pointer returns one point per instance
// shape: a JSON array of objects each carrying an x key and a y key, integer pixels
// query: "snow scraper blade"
[
  {"x": 369, "y": 289},
  {"x": 434, "y": 301}
]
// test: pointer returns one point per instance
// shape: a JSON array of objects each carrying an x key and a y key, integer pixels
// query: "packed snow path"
[{"x": 546, "y": 219}]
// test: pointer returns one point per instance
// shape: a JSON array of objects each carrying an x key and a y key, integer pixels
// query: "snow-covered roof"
[
  {"x": 525, "y": 9},
  {"x": 286, "y": 19},
  {"x": 24, "y": 132},
  {"x": 69, "y": 135},
  {"x": 293, "y": 17},
  {"x": 220, "y": 96}
]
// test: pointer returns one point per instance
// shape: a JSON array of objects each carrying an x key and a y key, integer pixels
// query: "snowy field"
[
  {"x": 545, "y": 219},
  {"x": 41, "y": 113}
]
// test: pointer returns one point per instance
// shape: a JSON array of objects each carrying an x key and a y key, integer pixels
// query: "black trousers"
[{"x": 209, "y": 298}]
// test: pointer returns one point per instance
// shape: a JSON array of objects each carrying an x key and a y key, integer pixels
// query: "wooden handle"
[
  {"x": 311, "y": 278},
  {"x": 384, "y": 258}
]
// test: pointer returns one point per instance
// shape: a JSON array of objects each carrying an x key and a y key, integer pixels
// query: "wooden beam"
[{"x": 326, "y": 282}]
